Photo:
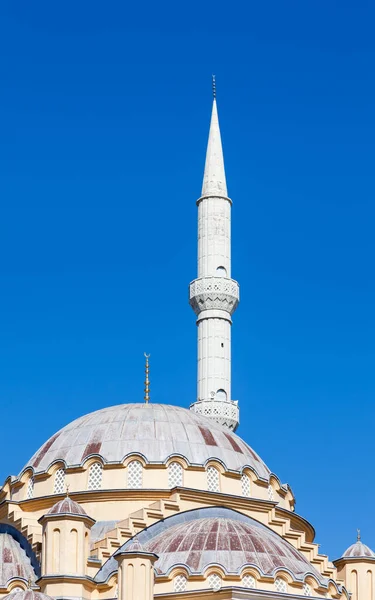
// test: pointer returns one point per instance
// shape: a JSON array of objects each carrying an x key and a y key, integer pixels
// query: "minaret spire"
[
  {"x": 214, "y": 173},
  {"x": 214, "y": 295}
]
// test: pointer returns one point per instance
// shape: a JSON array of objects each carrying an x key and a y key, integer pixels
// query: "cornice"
[
  {"x": 297, "y": 521},
  {"x": 353, "y": 559},
  {"x": 67, "y": 517},
  {"x": 81, "y": 579},
  {"x": 227, "y": 593}
]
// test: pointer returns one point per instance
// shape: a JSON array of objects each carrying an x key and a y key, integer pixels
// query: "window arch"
[
  {"x": 245, "y": 485},
  {"x": 221, "y": 272},
  {"x": 214, "y": 582},
  {"x": 280, "y": 585},
  {"x": 135, "y": 474},
  {"x": 95, "y": 476},
  {"x": 175, "y": 474},
  {"x": 370, "y": 587},
  {"x": 354, "y": 584},
  {"x": 59, "y": 483},
  {"x": 30, "y": 488},
  {"x": 179, "y": 583},
  {"x": 213, "y": 479},
  {"x": 248, "y": 582},
  {"x": 221, "y": 395}
]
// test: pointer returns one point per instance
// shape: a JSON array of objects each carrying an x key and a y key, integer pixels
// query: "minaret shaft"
[
  {"x": 214, "y": 235},
  {"x": 214, "y": 295}
]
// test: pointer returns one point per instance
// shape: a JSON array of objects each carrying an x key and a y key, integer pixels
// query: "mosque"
[{"x": 148, "y": 501}]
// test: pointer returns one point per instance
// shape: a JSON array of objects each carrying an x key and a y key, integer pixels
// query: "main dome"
[{"x": 156, "y": 431}]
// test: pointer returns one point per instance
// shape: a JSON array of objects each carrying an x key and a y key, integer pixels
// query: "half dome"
[
  {"x": 156, "y": 431},
  {"x": 221, "y": 536},
  {"x": 14, "y": 562},
  {"x": 27, "y": 595},
  {"x": 227, "y": 542}
]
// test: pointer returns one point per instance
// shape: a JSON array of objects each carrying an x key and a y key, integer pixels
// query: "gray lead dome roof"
[{"x": 156, "y": 431}]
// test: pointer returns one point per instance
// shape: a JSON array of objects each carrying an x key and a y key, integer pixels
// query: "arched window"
[
  {"x": 221, "y": 272},
  {"x": 270, "y": 492},
  {"x": 306, "y": 590},
  {"x": 354, "y": 584},
  {"x": 214, "y": 582},
  {"x": 59, "y": 483},
  {"x": 280, "y": 585},
  {"x": 248, "y": 582},
  {"x": 73, "y": 551},
  {"x": 95, "y": 476},
  {"x": 135, "y": 474},
  {"x": 30, "y": 488},
  {"x": 179, "y": 583},
  {"x": 221, "y": 395},
  {"x": 56, "y": 550},
  {"x": 213, "y": 481},
  {"x": 370, "y": 587},
  {"x": 245, "y": 485},
  {"x": 175, "y": 474}
]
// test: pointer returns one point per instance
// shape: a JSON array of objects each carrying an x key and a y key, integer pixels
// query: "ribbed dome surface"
[
  {"x": 27, "y": 595},
  {"x": 359, "y": 550},
  {"x": 226, "y": 542},
  {"x": 67, "y": 506},
  {"x": 216, "y": 535},
  {"x": 156, "y": 431},
  {"x": 14, "y": 561}
]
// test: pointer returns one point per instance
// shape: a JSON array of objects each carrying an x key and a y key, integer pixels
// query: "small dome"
[
  {"x": 221, "y": 536},
  {"x": 14, "y": 561},
  {"x": 228, "y": 543},
  {"x": 359, "y": 550},
  {"x": 135, "y": 546},
  {"x": 27, "y": 595},
  {"x": 67, "y": 506},
  {"x": 156, "y": 431}
]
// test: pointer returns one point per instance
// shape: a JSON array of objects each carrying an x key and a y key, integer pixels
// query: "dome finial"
[
  {"x": 147, "y": 380},
  {"x": 67, "y": 490},
  {"x": 29, "y": 583},
  {"x": 358, "y": 535},
  {"x": 214, "y": 86}
]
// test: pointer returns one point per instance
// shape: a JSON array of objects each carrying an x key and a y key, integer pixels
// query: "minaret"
[{"x": 214, "y": 295}]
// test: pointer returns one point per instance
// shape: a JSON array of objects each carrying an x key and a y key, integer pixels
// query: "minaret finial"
[
  {"x": 358, "y": 535},
  {"x": 147, "y": 380},
  {"x": 214, "y": 86}
]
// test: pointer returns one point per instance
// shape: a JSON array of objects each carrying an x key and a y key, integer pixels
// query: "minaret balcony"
[
  {"x": 214, "y": 293},
  {"x": 225, "y": 413}
]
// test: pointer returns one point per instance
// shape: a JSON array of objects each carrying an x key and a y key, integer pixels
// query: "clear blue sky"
[{"x": 104, "y": 114}]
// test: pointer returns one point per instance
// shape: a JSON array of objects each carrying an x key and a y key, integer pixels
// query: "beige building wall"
[{"x": 359, "y": 577}]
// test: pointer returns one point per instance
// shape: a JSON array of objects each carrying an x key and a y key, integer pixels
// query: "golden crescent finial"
[
  {"x": 358, "y": 535},
  {"x": 147, "y": 380},
  {"x": 67, "y": 490}
]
